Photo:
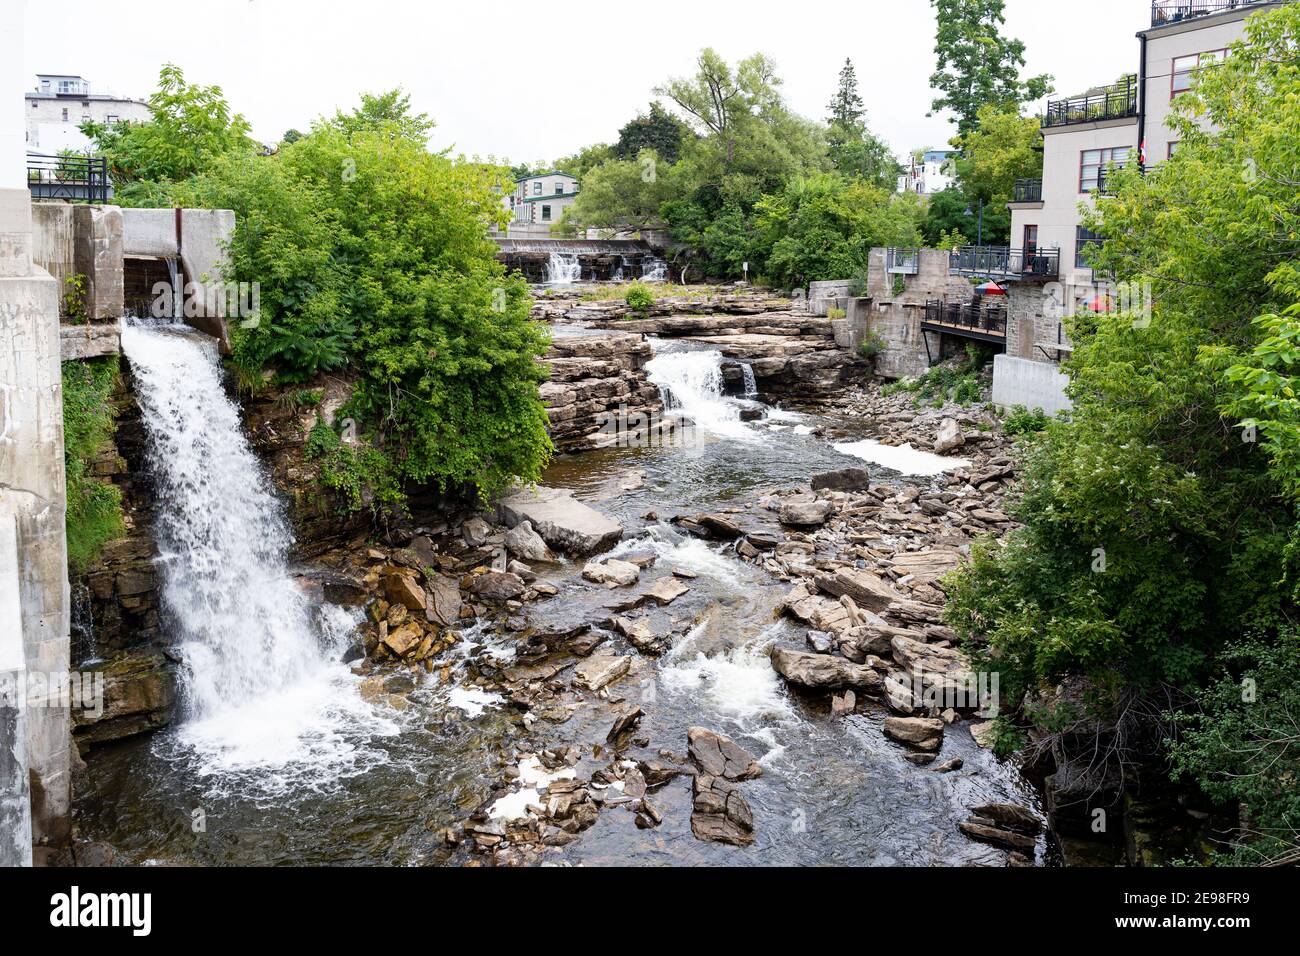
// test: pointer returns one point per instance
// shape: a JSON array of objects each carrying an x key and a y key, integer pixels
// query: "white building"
[
  {"x": 1082, "y": 135},
  {"x": 539, "y": 201},
  {"x": 928, "y": 173},
  {"x": 58, "y": 106}
]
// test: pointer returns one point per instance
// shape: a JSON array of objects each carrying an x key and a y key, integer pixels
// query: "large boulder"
[
  {"x": 949, "y": 436},
  {"x": 615, "y": 574},
  {"x": 717, "y": 756},
  {"x": 923, "y": 733},
  {"x": 719, "y": 813},
  {"x": 566, "y": 525},
  {"x": 526, "y": 544},
  {"x": 805, "y": 511},
  {"x": 823, "y": 671},
  {"x": 846, "y": 479},
  {"x": 498, "y": 586}
]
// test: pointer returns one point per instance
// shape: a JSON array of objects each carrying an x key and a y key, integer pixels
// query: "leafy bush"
[
  {"x": 958, "y": 383},
  {"x": 871, "y": 346},
  {"x": 1021, "y": 421},
  {"x": 639, "y": 298},
  {"x": 94, "y": 514},
  {"x": 834, "y": 313}
]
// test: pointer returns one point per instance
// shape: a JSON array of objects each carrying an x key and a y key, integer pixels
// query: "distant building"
[
  {"x": 539, "y": 201},
  {"x": 928, "y": 173},
  {"x": 61, "y": 103}
]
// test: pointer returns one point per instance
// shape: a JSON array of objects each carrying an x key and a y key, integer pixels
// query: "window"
[
  {"x": 65, "y": 115},
  {"x": 1083, "y": 238},
  {"x": 537, "y": 188},
  {"x": 546, "y": 214},
  {"x": 1093, "y": 161},
  {"x": 110, "y": 119},
  {"x": 559, "y": 189},
  {"x": 1173, "y": 148},
  {"x": 1185, "y": 68},
  {"x": 1031, "y": 240}
]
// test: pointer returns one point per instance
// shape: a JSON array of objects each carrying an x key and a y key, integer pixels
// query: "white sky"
[{"x": 528, "y": 80}]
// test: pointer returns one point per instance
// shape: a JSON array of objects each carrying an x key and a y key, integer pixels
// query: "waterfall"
[
  {"x": 691, "y": 386},
  {"x": 654, "y": 270},
  {"x": 262, "y": 681},
  {"x": 563, "y": 269},
  {"x": 751, "y": 383}
]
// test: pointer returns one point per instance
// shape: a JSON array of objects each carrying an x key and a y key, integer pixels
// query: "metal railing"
[
  {"x": 1113, "y": 102},
  {"x": 1028, "y": 190},
  {"x": 903, "y": 261},
  {"x": 1000, "y": 262},
  {"x": 74, "y": 178},
  {"x": 967, "y": 316},
  {"x": 1165, "y": 12}
]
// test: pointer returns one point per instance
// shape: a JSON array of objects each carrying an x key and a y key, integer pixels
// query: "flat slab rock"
[
  {"x": 601, "y": 670},
  {"x": 719, "y": 813},
  {"x": 565, "y": 524},
  {"x": 822, "y": 671},
  {"x": 718, "y": 756}
]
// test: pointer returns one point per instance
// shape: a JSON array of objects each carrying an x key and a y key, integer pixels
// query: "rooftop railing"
[
  {"x": 74, "y": 178},
  {"x": 1165, "y": 12},
  {"x": 1000, "y": 262},
  {"x": 1112, "y": 102}
]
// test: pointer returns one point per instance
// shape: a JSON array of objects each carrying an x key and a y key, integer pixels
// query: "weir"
[{"x": 566, "y": 261}]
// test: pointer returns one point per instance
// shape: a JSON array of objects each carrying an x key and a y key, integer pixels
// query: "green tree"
[
  {"x": 189, "y": 128},
  {"x": 854, "y": 150},
  {"x": 978, "y": 64},
  {"x": 389, "y": 111},
  {"x": 657, "y": 130},
  {"x": 1156, "y": 533},
  {"x": 622, "y": 194},
  {"x": 846, "y": 109}
]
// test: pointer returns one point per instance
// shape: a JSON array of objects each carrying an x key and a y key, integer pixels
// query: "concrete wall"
[
  {"x": 1040, "y": 385},
  {"x": 70, "y": 241},
  {"x": 15, "y": 795}
]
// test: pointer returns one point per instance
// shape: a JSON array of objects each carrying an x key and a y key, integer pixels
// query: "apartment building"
[
  {"x": 60, "y": 103},
  {"x": 541, "y": 199},
  {"x": 928, "y": 172}
]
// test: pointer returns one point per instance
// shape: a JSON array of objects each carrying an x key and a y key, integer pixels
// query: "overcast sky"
[{"x": 527, "y": 80}]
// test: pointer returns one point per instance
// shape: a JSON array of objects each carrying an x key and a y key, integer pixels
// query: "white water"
[
  {"x": 654, "y": 270},
  {"x": 737, "y": 683},
  {"x": 563, "y": 269},
  {"x": 691, "y": 386},
  {"x": 905, "y": 459},
  {"x": 751, "y": 383},
  {"x": 264, "y": 688}
]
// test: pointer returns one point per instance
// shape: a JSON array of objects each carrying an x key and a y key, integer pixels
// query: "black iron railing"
[
  {"x": 1165, "y": 12},
  {"x": 75, "y": 178},
  {"x": 1028, "y": 190},
  {"x": 1113, "y": 102},
  {"x": 1000, "y": 262},
  {"x": 981, "y": 317}
]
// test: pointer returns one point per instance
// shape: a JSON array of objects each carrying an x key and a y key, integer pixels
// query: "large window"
[
  {"x": 559, "y": 189},
  {"x": 1083, "y": 240},
  {"x": 546, "y": 214},
  {"x": 1185, "y": 68},
  {"x": 1093, "y": 161}
]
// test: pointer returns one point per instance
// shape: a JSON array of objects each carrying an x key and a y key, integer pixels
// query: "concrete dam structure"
[{"x": 566, "y": 261}]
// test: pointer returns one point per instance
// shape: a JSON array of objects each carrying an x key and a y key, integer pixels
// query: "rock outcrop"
[{"x": 598, "y": 391}]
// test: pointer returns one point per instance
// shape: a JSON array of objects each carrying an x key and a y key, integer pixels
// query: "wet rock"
[
  {"x": 624, "y": 724},
  {"x": 665, "y": 591},
  {"x": 844, "y": 704},
  {"x": 923, "y": 733},
  {"x": 718, "y": 527},
  {"x": 717, "y": 756},
  {"x": 649, "y": 815},
  {"x": 565, "y": 524},
  {"x": 404, "y": 639},
  {"x": 139, "y": 696},
  {"x": 805, "y": 511},
  {"x": 823, "y": 671},
  {"x": 658, "y": 772},
  {"x": 898, "y": 694},
  {"x": 497, "y": 586},
  {"x": 527, "y": 545},
  {"x": 475, "y": 531},
  {"x": 979, "y": 829},
  {"x": 1009, "y": 816},
  {"x": 601, "y": 670},
  {"x": 762, "y": 541},
  {"x": 613, "y": 573},
  {"x": 345, "y": 591},
  {"x": 640, "y": 634},
  {"x": 403, "y": 589},
  {"x": 443, "y": 600},
  {"x": 949, "y": 766},
  {"x": 847, "y": 479},
  {"x": 720, "y": 814},
  {"x": 821, "y": 642}
]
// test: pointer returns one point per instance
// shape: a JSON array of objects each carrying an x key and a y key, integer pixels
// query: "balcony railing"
[
  {"x": 999, "y": 262},
  {"x": 1114, "y": 102},
  {"x": 905, "y": 262},
  {"x": 981, "y": 318},
  {"x": 1028, "y": 190},
  {"x": 75, "y": 178},
  {"x": 1165, "y": 12}
]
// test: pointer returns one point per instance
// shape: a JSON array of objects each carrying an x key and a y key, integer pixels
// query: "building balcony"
[
  {"x": 903, "y": 262},
  {"x": 1112, "y": 102},
  {"x": 72, "y": 178},
  {"x": 977, "y": 320},
  {"x": 1167, "y": 12},
  {"x": 1028, "y": 190},
  {"x": 1004, "y": 264}
]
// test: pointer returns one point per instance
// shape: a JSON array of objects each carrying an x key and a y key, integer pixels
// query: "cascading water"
[
  {"x": 264, "y": 687},
  {"x": 563, "y": 269},
  {"x": 654, "y": 270},
  {"x": 690, "y": 383},
  {"x": 751, "y": 383}
]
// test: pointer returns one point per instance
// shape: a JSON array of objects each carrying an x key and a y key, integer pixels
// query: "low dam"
[{"x": 567, "y": 261}]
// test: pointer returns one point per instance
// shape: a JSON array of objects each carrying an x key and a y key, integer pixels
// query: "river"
[{"x": 296, "y": 768}]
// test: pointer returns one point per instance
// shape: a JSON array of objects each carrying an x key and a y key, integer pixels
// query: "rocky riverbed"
[{"x": 724, "y": 650}]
